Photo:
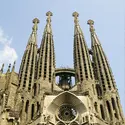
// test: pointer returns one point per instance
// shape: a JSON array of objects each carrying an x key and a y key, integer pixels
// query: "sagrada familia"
[{"x": 41, "y": 94}]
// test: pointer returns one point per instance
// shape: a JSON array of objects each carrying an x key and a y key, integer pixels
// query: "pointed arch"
[
  {"x": 60, "y": 123},
  {"x": 99, "y": 90},
  {"x": 74, "y": 123},
  {"x": 67, "y": 98}
]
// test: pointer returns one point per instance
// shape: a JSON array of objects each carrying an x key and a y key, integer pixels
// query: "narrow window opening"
[
  {"x": 109, "y": 109},
  {"x": 35, "y": 89},
  {"x": 38, "y": 106},
  {"x": 32, "y": 111},
  {"x": 114, "y": 107},
  {"x": 99, "y": 91},
  {"x": 27, "y": 106},
  {"x": 96, "y": 107},
  {"x": 102, "y": 112}
]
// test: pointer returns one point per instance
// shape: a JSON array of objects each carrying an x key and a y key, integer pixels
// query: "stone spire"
[
  {"x": 1, "y": 70},
  {"x": 8, "y": 70},
  {"x": 105, "y": 77},
  {"x": 48, "y": 28},
  {"x": 32, "y": 38},
  {"x": 82, "y": 62},
  {"x": 77, "y": 29},
  {"x": 13, "y": 68},
  {"x": 27, "y": 68},
  {"x": 46, "y": 61},
  {"x": 102, "y": 69}
]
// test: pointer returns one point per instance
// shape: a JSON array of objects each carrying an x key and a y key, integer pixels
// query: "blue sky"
[{"x": 16, "y": 25}]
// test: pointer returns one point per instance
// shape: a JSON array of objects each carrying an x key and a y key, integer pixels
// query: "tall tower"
[
  {"x": 82, "y": 62},
  {"x": 28, "y": 64},
  {"x": 46, "y": 61},
  {"x": 42, "y": 94},
  {"x": 106, "y": 80}
]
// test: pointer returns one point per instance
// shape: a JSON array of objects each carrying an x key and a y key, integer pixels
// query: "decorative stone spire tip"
[
  {"x": 49, "y": 14},
  {"x": 90, "y": 22},
  {"x": 2, "y": 67},
  {"x": 9, "y": 68},
  {"x": 14, "y": 66},
  {"x": 36, "y": 20},
  {"x": 75, "y": 15}
]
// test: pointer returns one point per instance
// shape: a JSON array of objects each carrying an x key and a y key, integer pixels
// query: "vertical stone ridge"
[
  {"x": 46, "y": 61},
  {"x": 27, "y": 68},
  {"x": 82, "y": 62}
]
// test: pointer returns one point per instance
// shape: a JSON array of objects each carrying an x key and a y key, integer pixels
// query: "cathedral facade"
[{"x": 41, "y": 94}]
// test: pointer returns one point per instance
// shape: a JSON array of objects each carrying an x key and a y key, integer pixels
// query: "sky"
[{"x": 16, "y": 25}]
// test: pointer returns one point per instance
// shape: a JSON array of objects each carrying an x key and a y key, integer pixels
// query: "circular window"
[{"x": 67, "y": 113}]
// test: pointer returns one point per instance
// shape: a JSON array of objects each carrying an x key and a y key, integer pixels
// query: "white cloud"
[
  {"x": 7, "y": 53},
  {"x": 4, "y": 39}
]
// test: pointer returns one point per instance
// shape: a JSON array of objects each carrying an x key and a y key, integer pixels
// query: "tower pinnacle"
[
  {"x": 1, "y": 70},
  {"x": 46, "y": 61},
  {"x": 49, "y": 14},
  {"x": 82, "y": 62},
  {"x": 27, "y": 68},
  {"x": 13, "y": 68},
  {"x": 91, "y": 23},
  {"x": 75, "y": 15},
  {"x": 48, "y": 24},
  {"x": 35, "y": 21},
  {"x": 77, "y": 29},
  {"x": 9, "y": 68}
]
